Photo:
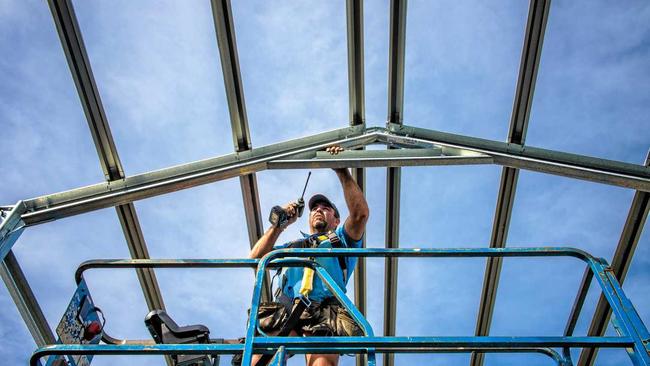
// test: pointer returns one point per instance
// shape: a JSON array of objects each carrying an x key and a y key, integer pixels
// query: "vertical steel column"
[
  {"x": 354, "y": 11},
  {"x": 75, "y": 51},
  {"x": 227, "y": 42},
  {"x": 28, "y": 307},
  {"x": 11, "y": 226},
  {"x": 393, "y": 175},
  {"x": 632, "y": 230},
  {"x": 534, "y": 38},
  {"x": 354, "y": 15}
]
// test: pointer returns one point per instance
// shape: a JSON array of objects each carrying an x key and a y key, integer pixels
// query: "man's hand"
[
  {"x": 335, "y": 150},
  {"x": 291, "y": 209},
  {"x": 266, "y": 242}
]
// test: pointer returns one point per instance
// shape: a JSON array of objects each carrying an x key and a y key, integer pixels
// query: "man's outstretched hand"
[{"x": 335, "y": 150}]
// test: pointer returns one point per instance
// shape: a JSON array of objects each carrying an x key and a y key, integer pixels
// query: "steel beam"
[
  {"x": 532, "y": 49},
  {"x": 146, "y": 185},
  {"x": 360, "y": 273},
  {"x": 354, "y": 16},
  {"x": 133, "y": 188},
  {"x": 227, "y": 42},
  {"x": 11, "y": 226},
  {"x": 536, "y": 159},
  {"x": 538, "y": 12},
  {"x": 620, "y": 264},
  {"x": 138, "y": 250},
  {"x": 393, "y": 179},
  {"x": 75, "y": 51},
  {"x": 354, "y": 11},
  {"x": 397, "y": 45},
  {"x": 380, "y": 158},
  {"x": 23, "y": 297}
]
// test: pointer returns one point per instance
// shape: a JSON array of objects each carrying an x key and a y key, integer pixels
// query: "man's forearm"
[
  {"x": 354, "y": 198},
  {"x": 265, "y": 243}
]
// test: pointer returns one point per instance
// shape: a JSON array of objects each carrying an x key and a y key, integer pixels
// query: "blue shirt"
[{"x": 293, "y": 275}]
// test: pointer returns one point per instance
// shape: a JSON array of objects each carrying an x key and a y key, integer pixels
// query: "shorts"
[{"x": 327, "y": 318}]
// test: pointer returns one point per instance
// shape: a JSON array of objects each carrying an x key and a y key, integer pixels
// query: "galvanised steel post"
[{"x": 11, "y": 227}]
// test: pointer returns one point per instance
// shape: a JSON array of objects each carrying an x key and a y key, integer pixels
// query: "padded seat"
[{"x": 164, "y": 330}]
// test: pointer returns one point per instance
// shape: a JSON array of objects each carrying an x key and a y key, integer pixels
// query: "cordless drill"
[{"x": 279, "y": 217}]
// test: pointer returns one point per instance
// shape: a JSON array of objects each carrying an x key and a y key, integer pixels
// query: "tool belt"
[{"x": 322, "y": 319}]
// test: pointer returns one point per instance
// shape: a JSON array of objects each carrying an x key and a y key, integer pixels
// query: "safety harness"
[
  {"x": 308, "y": 274},
  {"x": 301, "y": 303}
]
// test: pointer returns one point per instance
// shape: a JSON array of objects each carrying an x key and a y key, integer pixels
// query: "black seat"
[{"x": 164, "y": 329}]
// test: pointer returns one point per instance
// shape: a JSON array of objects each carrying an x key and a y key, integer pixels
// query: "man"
[{"x": 324, "y": 316}]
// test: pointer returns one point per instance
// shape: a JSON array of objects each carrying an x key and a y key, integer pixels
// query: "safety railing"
[{"x": 633, "y": 335}]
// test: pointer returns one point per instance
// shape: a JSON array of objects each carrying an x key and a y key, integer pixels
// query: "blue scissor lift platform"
[{"x": 633, "y": 335}]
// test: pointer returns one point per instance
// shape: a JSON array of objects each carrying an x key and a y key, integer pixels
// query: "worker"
[{"x": 324, "y": 316}]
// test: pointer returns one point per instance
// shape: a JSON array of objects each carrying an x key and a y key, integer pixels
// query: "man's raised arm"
[{"x": 355, "y": 224}]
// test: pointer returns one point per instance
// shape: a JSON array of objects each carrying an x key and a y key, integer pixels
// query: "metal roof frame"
[
  {"x": 75, "y": 52},
  {"x": 356, "y": 96},
  {"x": 396, "y": 55},
  {"x": 25, "y": 301},
  {"x": 225, "y": 29},
  {"x": 530, "y": 55},
  {"x": 427, "y": 148},
  {"x": 620, "y": 264}
]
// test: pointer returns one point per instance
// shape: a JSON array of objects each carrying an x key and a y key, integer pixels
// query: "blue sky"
[{"x": 157, "y": 69}]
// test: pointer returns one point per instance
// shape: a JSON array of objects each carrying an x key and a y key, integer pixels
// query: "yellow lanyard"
[{"x": 308, "y": 275}]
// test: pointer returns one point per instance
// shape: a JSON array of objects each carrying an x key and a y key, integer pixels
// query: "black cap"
[{"x": 319, "y": 198}]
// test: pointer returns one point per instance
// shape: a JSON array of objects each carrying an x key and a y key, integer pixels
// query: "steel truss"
[
  {"x": 412, "y": 147},
  {"x": 406, "y": 146}
]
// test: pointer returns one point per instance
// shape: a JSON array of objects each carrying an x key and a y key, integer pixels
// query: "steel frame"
[
  {"x": 25, "y": 301},
  {"x": 75, "y": 52},
  {"x": 534, "y": 38},
  {"x": 396, "y": 52},
  {"x": 620, "y": 264},
  {"x": 633, "y": 333},
  {"x": 354, "y": 16},
  {"x": 461, "y": 150},
  {"x": 425, "y": 147},
  {"x": 226, "y": 40}
]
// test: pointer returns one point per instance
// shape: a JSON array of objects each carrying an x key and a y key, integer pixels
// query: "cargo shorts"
[{"x": 327, "y": 318}]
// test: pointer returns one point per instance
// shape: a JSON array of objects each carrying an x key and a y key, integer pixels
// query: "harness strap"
[
  {"x": 298, "y": 307},
  {"x": 336, "y": 243},
  {"x": 308, "y": 273}
]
